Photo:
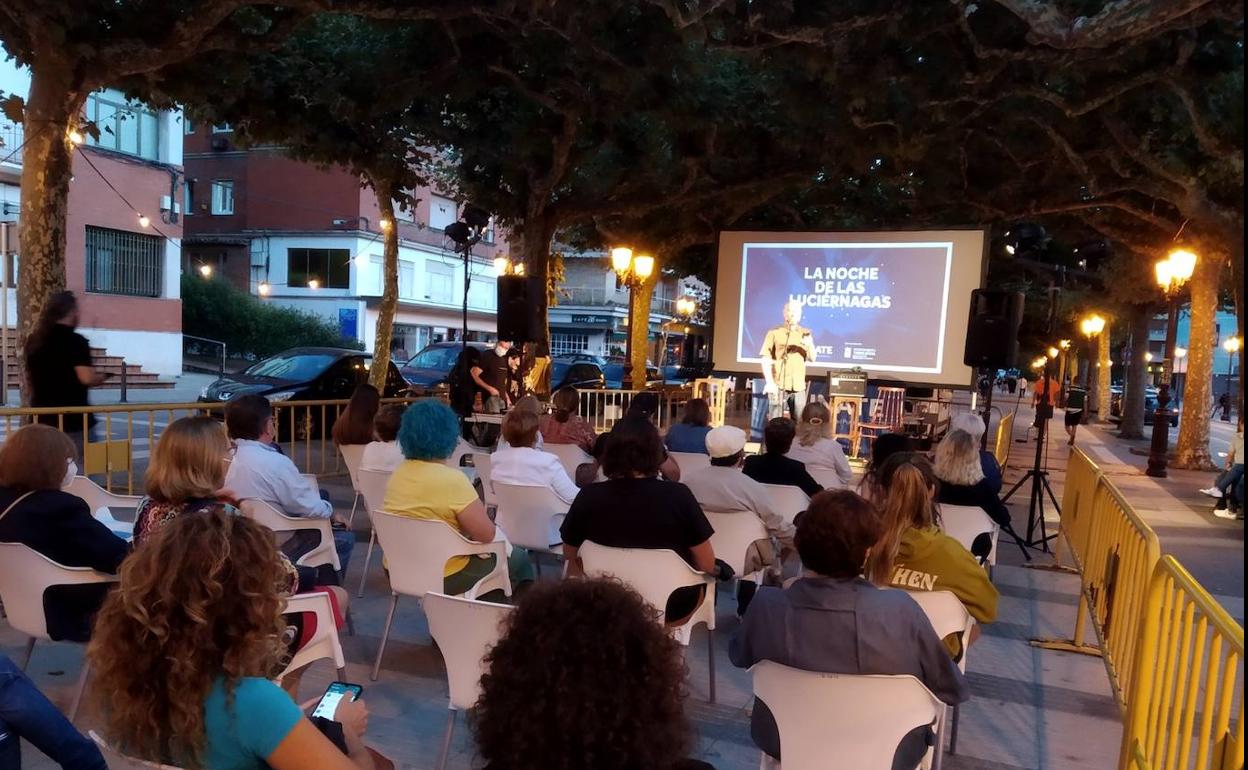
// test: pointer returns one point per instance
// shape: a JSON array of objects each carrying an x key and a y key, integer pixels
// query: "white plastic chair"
[
  {"x": 857, "y": 719},
  {"x": 481, "y": 461},
  {"x": 465, "y": 630},
  {"x": 966, "y": 522},
  {"x": 25, "y": 575},
  {"x": 461, "y": 448},
  {"x": 735, "y": 531},
  {"x": 352, "y": 456},
  {"x": 324, "y": 643},
  {"x": 324, "y": 553},
  {"x": 827, "y": 478},
  {"x": 118, "y": 761},
  {"x": 372, "y": 486},
  {"x": 787, "y": 500},
  {"x": 655, "y": 574},
  {"x": 103, "y": 503},
  {"x": 688, "y": 462},
  {"x": 948, "y": 615},
  {"x": 418, "y": 551},
  {"x": 531, "y": 517},
  {"x": 570, "y": 456}
]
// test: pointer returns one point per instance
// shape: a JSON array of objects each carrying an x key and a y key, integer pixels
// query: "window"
[
  {"x": 223, "y": 128},
  {"x": 122, "y": 262},
  {"x": 562, "y": 343},
  {"x": 222, "y": 197},
  {"x": 125, "y": 126},
  {"x": 330, "y": 268},
  {"x": 188, "y": 197},
  {"x": 482, "y": 293},
  {"x": 407, "y": 280},
  {"x": 188, "y": 126},
  {"x": 377, "y": 274},
  {"x": 440, "y": 282},
  {"x": 442, "y": 212}
]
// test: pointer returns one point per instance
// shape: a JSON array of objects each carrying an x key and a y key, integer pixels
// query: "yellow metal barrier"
[
  {"x": 1115, "y": 566},
  {"x": 1005, "y": 436},
  {"x": 1186, "y": 708}
]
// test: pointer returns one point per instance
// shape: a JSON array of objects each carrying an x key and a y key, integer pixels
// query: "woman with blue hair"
[{"x": 424, "y": 487}]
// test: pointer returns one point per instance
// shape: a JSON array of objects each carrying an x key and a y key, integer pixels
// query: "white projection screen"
[{"x": 894, "y": 304}]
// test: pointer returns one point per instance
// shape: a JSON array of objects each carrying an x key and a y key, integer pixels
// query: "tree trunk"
[
  {"x": 390, "y": 287},
  {"x": 51, "y": 109},
  {"x": 1192, "y": 448},
  {"x": 532, "y": 243},
  {"x": 1132, "y": 424},
  {"x": 1103, "y": 379},
  {"x": 639, "y": 332}
]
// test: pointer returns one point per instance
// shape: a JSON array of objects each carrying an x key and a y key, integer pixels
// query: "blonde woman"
[
  {"x": 186, "y": 474},
  {"x": 962, "y": 480},
  {"x": 815, "y": 446}
]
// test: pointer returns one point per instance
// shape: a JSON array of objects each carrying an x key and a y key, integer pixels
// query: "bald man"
[{"x": 785, "y": 352}]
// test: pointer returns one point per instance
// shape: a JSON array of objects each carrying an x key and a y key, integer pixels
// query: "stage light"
[{"x": 458, "y": 232}]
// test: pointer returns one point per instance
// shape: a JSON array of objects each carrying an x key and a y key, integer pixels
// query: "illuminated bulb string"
[{"x": 144, "y": 221}]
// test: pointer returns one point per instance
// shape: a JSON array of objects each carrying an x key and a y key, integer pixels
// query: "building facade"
[{"x": 126, "y": 273}]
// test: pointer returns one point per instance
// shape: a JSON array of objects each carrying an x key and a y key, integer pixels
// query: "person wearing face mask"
[
  {"x": 492, "y": 376},
  {"x": 35, "y": 463}
]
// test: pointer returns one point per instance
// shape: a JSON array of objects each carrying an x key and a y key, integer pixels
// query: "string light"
[
  {"x": 385, "y": 224},
  {"x": 263, "y": 289},
  {"x": 314, "y": 284},
  {"x": 75, "y": 136},
  {"x": 205, "y": 270},
  {"x": 144, "y": 221}
]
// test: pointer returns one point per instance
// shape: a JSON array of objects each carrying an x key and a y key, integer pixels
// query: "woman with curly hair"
[
  {"x": 618, "y": 703},
  {"x": 183, "y": 649}
]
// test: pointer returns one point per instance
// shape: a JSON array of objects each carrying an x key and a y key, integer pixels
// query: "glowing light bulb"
[
  {"x": 144, "y": 221},
  {"x": 75, "y": 136},
  {"x": 205, "y": 270},
  {"x": 621, "y": 259},
  {"x": 263, "y": 289},
  {"x": 313, "y": 283}
]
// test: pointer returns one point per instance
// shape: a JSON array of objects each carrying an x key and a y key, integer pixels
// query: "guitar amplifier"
[{"x": 849, "y": 383}]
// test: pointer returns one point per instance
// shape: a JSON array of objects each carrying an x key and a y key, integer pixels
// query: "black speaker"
[
  {"x": 992, "y": 332},
  {"x": 518, "y": 298}
]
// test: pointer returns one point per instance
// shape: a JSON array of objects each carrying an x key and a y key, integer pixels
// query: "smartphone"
[{"x": 334, "y": 694}]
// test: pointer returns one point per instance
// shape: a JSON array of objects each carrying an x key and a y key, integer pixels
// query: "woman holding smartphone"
[{"x": 183, "y": 650}]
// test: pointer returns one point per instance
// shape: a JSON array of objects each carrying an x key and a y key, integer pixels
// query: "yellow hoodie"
[{"x": 930, "y": 560}]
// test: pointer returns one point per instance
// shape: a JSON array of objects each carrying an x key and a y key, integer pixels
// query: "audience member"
[
  {"x": 563, "y": 425},
  {"x": 974, "y": 425},
  {"x": 522, "y": 464},
  {"x": 1228, "y": 489},
  {"x": 588, "y": 473},
  {"x": 531, "y": 405},
  {"x": 619, "y": 705},
  {"x": 184, "y": 650},
  {"x": 962, "y": 479},
  {"x": 26, "y": 714},
  {"x": 912, "y": 553},
  {"x": 424, "y": 487},
  {"x": 884, "y": 447},
  {"x": 35, "y": 462},
  {"x": 633, "y": 508},
  {"x": 834, "y": 621},
  {"x": 644, "y": 404},
  {"x": 689, "y": 435},
  {"x": 355, "y": 425},
  {"x": 383, "y": 453},
  {"x": 815, "y": 448},
  {"x": 186, "y": 475},
  {"x": 772, "y": 467},
  {"x": 258, "y": 471}
]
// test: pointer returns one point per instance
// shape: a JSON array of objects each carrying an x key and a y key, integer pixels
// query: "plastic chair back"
[
  {"x": 324, "y": 643},
  {"x": 25, "y": 574},
  {"x": 735, "y": 531},
  {"x": 118, "y": 761},
  {"x": 689, "y": 462},
  {"x": 947, "y": 615},
  {"x": 481, "y": 461},
  {"x": 966, "y": 522},
  {"x": 372, "y": 487},
  {"x": 786, "y": 500},
  {"x": 352, "y": 457},
  {"x": 324, "y": 553},
  {"x": 418, "y": 549},
  {"x": 461, "y": 448},
  {"x": 570, "y": 456},
  {"x": 530, "y": 515},
  {"x": 654, "y": 574},
  {"x": 858, "y": 719},
  {"x": 827, "y": 478},
  {"x": 465, "y": 630},
  {"x": 97, "y": 497}
]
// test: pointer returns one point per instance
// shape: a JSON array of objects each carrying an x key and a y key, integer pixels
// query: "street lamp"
[
  {"x": 1172, "y": 273},
  {"x": 685, "y": 308},
  {"x": 632, "y": 271},
  {"x": 1091, "y": 327}
]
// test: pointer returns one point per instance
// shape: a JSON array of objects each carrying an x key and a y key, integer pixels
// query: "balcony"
[{"x": 598, "y": 297}]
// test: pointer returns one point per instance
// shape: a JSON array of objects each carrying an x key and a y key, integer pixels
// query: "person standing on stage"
[
  {"x": 785, "y": 352},
  {"x": 492, "y": 375},
  {"x": 59, "y": 365}
]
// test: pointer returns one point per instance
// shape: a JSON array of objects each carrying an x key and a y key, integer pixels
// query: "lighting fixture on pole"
[
  {"x": 632, "y": 270},
  {"x": 685, "y": 308},
  {"x": 1231, "y": 345},
  {"x": 466, "y": 233},
  {"x": 1172, "y": 273},
  {"x": 1091, "y": 327}
]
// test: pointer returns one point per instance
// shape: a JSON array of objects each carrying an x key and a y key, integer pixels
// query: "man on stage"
[{"x": 785, "y": 353}]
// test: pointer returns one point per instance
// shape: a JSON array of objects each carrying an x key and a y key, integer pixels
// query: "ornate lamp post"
[
  {"x": 1172, "y": 272},
  {"x": 632, "y": 270},
  {"x": 1231, "y": 345},
  {"x": 1091, "y": 327},
  {"x": 685, "y": 308}
]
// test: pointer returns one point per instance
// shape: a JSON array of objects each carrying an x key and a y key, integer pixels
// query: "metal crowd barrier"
[
  {"x": 1004, "y": 437},
  {"x": 603, "y": 408},
  {"x": 121, "y": 442},
  {"x": 1186, "y": 707}
]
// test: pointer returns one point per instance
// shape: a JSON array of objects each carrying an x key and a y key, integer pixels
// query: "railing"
[
  {"x": 1004, "y": 438},
  {"x": 593, "y": 296},
  {"x": 1188, "y": 679},
  {"x": 197, "y": 342},
  {"x": 603, "y": 408}
]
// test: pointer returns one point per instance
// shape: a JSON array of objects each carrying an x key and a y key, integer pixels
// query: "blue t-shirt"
[
  {"x": 687, "y": 438},
  {"x": 261, "y": 718}
]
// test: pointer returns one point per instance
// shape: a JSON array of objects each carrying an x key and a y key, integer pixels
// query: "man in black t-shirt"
[
  {"x": 59, "y": 365},
  {"x": 1076, "y": 402},
  {"x": 492, "y": 375}
]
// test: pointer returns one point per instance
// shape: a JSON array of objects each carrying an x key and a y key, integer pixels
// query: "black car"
[
  {"x": 430, "y": 367},
  {"x": 303, "y": 374},
  {"x": 1150, "y": 406},
  {"x": 582, "y": 373}
]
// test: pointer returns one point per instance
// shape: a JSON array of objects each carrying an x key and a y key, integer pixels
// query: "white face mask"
[{"x": 71, "y": 470}]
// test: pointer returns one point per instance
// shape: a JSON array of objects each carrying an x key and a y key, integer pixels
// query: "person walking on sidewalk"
[
  {"x": 1076, "y": 398},
  {"x": 1229, "y": 488}
]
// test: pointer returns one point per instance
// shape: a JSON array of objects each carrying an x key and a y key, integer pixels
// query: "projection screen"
[{"x": 894, "y": 304}]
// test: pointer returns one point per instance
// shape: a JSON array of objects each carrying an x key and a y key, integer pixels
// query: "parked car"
[
  {"x": 613, "y": 370},
  {"x": 303, "y": 374},
  {"x": 580, "y": 373},
  {"x": 1150, "y": 406},
  {"x": 430, "y": 367}
]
